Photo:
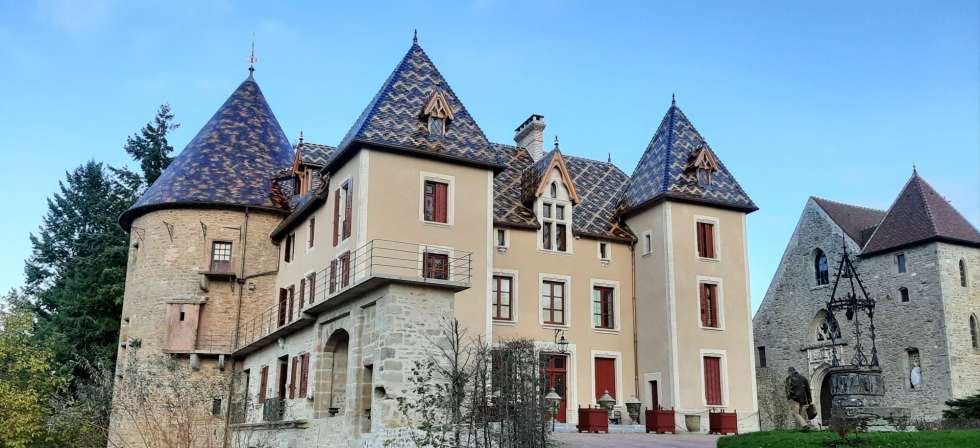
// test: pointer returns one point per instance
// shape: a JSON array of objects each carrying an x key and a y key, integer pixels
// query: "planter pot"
[
  {"x": 722, "y": 423},
  {"x": 660, "y": 421},
  {"x": 593, "y": 420},
  {"x": 693, "y": 423}
]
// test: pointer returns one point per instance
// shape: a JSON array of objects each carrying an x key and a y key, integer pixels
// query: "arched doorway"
[
  {"x": 820, "y": 389},
  {"x": 331, "y": 397}
]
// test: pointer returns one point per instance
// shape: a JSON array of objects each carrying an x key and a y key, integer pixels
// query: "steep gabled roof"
[
  {"x": 229, "y": 163},
  {"x": 535, "y": 177},
  {"x": 392, "y": 120},
  {"x": 665, "y": 171},
  {"x": 918, "y": 215},
  {"x": 314, "y": 154},
  {"x": 854, "y": 220}
]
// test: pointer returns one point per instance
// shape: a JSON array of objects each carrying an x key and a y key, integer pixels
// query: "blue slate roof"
[
  {"x": 663, "y": 172},
  {"x": 230, "y": 162},
  {"x": 314, "y": 154},
  {"x": 392, "y": 119}
]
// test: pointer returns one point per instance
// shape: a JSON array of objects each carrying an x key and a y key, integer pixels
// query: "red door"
[
  {"x": 712, "y": 380},
  {"x": 605, "y": 377},
  {"x": 555, "y": 372}
]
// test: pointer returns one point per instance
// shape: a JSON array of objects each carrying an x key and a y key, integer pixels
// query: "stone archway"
[
  {"x": 331, "y": 375},
  {"x": 820, "y": 389}
]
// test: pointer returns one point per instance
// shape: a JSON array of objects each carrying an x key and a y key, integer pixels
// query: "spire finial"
[
  {"x": 673, "y": 100},
  {"x": 251, "y": 58},
  {"x": 556, "y": 141},
  {"x": 914, "y": 172},
  {"x": 301, "y": 137},
  {"x": 415, "y": 36},
  {"x": 609, "y": 159}
]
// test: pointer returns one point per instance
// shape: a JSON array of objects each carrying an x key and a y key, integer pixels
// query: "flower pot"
[{"x": 660, "y": 421}]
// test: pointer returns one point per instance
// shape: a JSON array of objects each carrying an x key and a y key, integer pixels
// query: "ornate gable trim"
[
  {"x": 703, "y": 161},
  {"x": 437, "y": 106},
  {"x": 535, "y": 180}
]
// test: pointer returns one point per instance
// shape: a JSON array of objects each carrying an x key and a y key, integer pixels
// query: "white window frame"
[
  {"x": 715, "y": 236},
  {"x": 450, "y": 181},
  {"x": 552, "y": 221},
  {"x": 513, "y": 274},
  {"x": 567, "y": 279},
  {"x": 449, "y": 251},
  {"x": 723, "y": 354},
  {"x": 306, "y": 277},
  {"x": 647, "y": 237},
  {"x": 617, "y": 323},
  {"x": 316, "y": 232},
  {"x": 598, "y": 249},
  {"x": 618, "y": 356},
  {"x": 496, "y": 240},
  {"x": 719, "y": 295}
]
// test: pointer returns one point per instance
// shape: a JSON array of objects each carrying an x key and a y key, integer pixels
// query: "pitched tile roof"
[
  {"x": 230, "y": 162},
  {"x": 920, "y": 214},
  {"x": 314, "y": 154},
  {"x": 663, "y": 170},
  {"x": 854, "y": 220},
  {"x": 392, "y": 118},
  {"x": 600, "y": 186}
]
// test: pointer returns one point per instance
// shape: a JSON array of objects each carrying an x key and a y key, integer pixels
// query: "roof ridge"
[{"x": 848, "y": 204}]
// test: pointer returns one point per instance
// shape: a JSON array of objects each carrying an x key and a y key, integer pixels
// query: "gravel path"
[{"x": 635, "y": 440}]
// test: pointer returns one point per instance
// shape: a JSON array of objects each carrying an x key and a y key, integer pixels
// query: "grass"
[{"x": 825, "y": 439}]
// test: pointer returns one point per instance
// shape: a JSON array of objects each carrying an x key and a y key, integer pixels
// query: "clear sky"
[{"x": 834, "y": 99}]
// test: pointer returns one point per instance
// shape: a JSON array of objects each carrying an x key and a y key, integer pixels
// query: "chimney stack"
[{"x": 530, "y": 135}]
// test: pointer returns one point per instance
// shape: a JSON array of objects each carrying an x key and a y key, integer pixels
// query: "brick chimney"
[{"x": 530, "y": 135}]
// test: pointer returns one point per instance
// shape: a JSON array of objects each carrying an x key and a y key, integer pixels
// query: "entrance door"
[
  {"x": 555, "y": 371},
  {"x": 825, "y": 401},
  {"x": 654, "y": 395},
  {"x": 605, "y": 377}
]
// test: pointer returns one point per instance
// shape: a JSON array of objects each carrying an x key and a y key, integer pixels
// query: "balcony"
[{"x": 374, "y": 264}]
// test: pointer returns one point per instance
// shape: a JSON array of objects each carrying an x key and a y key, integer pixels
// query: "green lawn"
[{"x": 824, "y": 439}]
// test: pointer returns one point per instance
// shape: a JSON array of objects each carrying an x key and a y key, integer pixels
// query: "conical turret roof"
[
  {"x": 229, "y": 163},
  {"x": 665, "y": 170},
  {"x": 394, "y": 117}
]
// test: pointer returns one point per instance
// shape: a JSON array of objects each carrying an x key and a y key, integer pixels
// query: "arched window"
[
  {"x": 975, "y": 332},
  {"x": 823, "y": 329},
  {"x": 904, "y": 292},
  {"x": 820, "y": 267},
  {"x": 554, "y": 190},
  {"x": 962, "y": 272}
]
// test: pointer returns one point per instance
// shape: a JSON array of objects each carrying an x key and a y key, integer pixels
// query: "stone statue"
[{"x": 798, "y": 394}]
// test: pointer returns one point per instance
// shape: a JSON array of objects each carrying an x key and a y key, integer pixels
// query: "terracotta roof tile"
[{"x": 854, "y": 220}]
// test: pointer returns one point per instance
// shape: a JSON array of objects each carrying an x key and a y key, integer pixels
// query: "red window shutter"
[
  {"x": 333, "y": 276},
  {"x": 709, "y": 238},
  {"x": 711, "y": 291},
  {"x": 283, "y": 294},
  {"x": 441, "y": 203},
  {"x": 292, "y": 295},
  {"x": 336, "y": 216},
  {"x": 263, "y": 383},
  {"x": 312, "y": 287},
  {"x": 345, "y": 269},
  {"x": 605, "y": 377},
  {"x": 704, "y": 303},
  {"x": 712, "y": 380},
  {"x": 292, "y": 379},
  {"x": 348, "y": 208},
  {"x": 312, "y": 230},
  {"x": 304, "y": 373},
  {"x": 302, "y": 292}
]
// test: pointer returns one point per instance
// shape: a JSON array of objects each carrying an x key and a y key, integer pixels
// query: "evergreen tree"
[
  {"x": 77, "y": 271},
  {"x": 150, "y": 148}
]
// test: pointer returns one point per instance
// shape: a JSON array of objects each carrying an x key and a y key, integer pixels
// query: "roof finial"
[
  {"x": 556, "y": 141},
  {"x": 301, "y": 137},
  {"x": 914, "y": 172},
  {"x": 251, "y": 58},
  {"x": 609, "y": 159},
  {"x": 415, "y": 37},
  {"x": 673, "y": 100}
]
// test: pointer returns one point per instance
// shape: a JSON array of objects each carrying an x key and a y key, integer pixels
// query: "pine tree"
[
  {"x": 150, "y": 148},
  {"x": 77, "y": 271}
]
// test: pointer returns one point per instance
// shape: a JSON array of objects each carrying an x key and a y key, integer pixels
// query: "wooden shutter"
[
  {"x": 312, "y": 287},
  {"x": 292, "y": 295},
  {"x": 292, "y": 379},
  {"x": 312, "y": 230},
  {"x": 703, "y": 292},
  {"x": 348, "y": 209},
  {"x": 333, "y": 276},
  {"x": 709, "y": 233},
  {"x": 605, "y": 377},
  {"x": 304, "y": 373},
  {"x": 283, "y": 294},
  {"x": 712, "y": 380},
  {"x": 336, "y": 217},
  {"x": 711, "y": 297},
  {"x": 345, "y": 269},
  {"x": 263, "y": 383},
  {"x": 441, "y": 202},
  {"x": 302, "y": 292}
]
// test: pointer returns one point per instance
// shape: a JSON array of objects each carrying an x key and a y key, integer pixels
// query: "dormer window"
[
  {"x": 436, "y": 113},
  {"x": 555, "y": 223},
  {"x": 554, "y": 190},
  {"x": 705, "y": 163}
]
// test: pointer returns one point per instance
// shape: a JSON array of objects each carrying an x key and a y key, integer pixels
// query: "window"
[
  {"x": 603, "y": 307},
  {"x": 900, "y": 262},
  {"x": 304, "y": 367},
  {"x": 604, "y": 251},
  {"x": 312, "y": 231},
  {"x": 709, "y": 305},
  {"x": 501, "y": 238},
  {"x": 436, "y": 203},
  {"x": 221, "y": 256},
  {"x": 975, "y": 332},
  {"x": 302, "y": 292},
  {"x": 553, "y": 298},
  {"x": 283, "y": 299},
  {"x": 181, "y": 316},
  {"x": 502, "y": 297},
  {"x": 436, "y": 126},
  {"x": 342, "y": 215},
  {"x": 555, "y": 221},
  {"x": 820, "y": 268},
  {"x": 826, "y": 330},
  {"x": 963, "y": 282},
  {"x": 914, "y": 363},
  {"x": 287, "y": 255},
  {"x": 263, "y": 383},
  {"x": 554, "y": 190},
  {"x": 706, "y": 239},
  {"x": 712, "y": 380},
  {"x": 647, "y": 243},
  {"x": 904, "y": 292},
  {"x": 311, "y": 280},
  {"x": 344, "y": 263},
  {"x": 215, "y": 406},
  {"x": 761, "y": 352},
  {"x": 435, "y": 266}
]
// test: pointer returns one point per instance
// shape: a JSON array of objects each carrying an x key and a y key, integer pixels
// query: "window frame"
[
  {"x": 904, "y": 296},
  {"x": 450, "y": 182},
  {"x": 647, "y": 239},
  {"x": 552, "y": 225},
  {"x": 901, "y": 263},
  {"x": 448, "y": 252},
  {"x": 495, "y": 297},
  {"x": 613, "y": 288},
  {"x": 719, "y": 302},
  {"x": 715, "y": 224},
  {"x": 821, "y": 278},
  {"x": 974, "y": 324},
  {"x": 722, "y": 376},
  {"x": 498, "y": 231},
  {"x": 231, "y": 255},
  {"x": 608, "y": 246},
  {"x": 289, "y": 248},
  {"x": 964, "y": 273},
  {"x": 566, "y": 300}
]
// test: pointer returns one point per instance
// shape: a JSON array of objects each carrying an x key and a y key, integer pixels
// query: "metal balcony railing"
[
  {"x": 214, "y": 343},
  {"x": 377, "y": 259}
]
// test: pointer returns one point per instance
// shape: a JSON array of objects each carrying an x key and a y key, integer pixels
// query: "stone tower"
[{"x": 200, "y": 255}]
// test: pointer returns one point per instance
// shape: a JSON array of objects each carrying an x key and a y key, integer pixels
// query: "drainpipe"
[
  {"x": 238, "y": 315},
  {"x": 636, "y": 341}
]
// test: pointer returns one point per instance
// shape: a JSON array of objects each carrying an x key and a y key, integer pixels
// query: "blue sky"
[{"x": 834, "y": 99}]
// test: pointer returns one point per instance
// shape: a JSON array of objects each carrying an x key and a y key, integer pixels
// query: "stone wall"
[{"x": 960, "y": 302}]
